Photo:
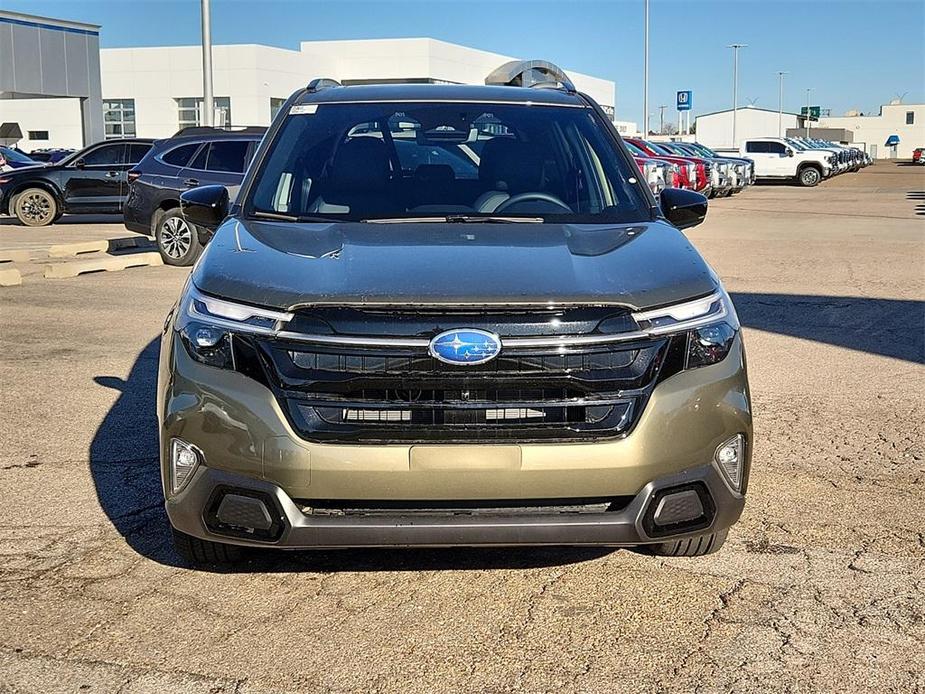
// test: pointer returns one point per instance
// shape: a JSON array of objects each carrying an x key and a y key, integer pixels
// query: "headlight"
[
  {"x": 710, "y": 323},
  {"x": 207, "y": 326}
]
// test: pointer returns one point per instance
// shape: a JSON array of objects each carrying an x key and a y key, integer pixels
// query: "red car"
[
  {"x": 682, "y": 174},
  {"x": 918, "y": 155}
]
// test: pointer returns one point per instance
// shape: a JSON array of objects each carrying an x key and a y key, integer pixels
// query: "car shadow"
[
  {"x": 917, "y": 196},
  {"x": 124, "y": 451},
  {"x": 71, "y": 219}
]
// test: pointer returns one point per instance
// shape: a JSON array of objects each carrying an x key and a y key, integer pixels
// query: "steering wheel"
[{"x": 524, "y": 197}]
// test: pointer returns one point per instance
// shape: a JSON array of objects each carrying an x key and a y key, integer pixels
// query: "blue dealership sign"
[{"x": 685, "y": 100}]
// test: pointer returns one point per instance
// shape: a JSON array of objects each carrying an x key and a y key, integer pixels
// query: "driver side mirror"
[
  {"x": 205, "y": 206},
  {"x": 790, "y": 152},
  {"x": 79, "y": 164},
  {"x": 683, "y": 208}
]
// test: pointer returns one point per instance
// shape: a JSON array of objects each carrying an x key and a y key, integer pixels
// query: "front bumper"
[
  {"x": 247, "y": 443},
  {"x": 193, "y": 512}
]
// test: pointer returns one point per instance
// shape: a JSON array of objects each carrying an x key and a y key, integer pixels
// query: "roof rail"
[
  {"x": 316, "y": 85},
  {"x": 208, "y": 129},
  {"x": 530, "y": 73}
]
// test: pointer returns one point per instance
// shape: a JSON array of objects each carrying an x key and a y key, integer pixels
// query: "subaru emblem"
[{"x": 465, "y": 346}]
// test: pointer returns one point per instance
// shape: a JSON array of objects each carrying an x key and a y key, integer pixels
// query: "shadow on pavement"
[
  {"x": 124, "y": 450},
  {"x": 70, "y": 219}
]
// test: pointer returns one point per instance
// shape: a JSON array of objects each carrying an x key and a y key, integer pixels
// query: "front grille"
[{"x": 403, "y": 395}]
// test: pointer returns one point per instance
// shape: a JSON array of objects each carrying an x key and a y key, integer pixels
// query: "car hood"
[{"x": 285, "y": 265}]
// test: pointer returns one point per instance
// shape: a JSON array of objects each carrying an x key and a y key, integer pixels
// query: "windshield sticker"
[{"x": 303, "y": 109}]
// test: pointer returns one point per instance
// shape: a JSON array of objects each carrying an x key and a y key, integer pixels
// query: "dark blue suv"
[{"x": 193, "y": 157}]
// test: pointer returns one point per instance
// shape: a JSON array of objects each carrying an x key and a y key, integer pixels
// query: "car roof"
[{"x": 441, "y": 92}]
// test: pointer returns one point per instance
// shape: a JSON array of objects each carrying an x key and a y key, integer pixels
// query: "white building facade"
[
  {"x": 715, "y": 129},
  {"x": 905, "y": 120},
  {"x": 153, "y": 92}
]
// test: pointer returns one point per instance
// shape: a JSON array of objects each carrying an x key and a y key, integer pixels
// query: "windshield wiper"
[
  {"x": 458, "y": 219},
  {"x": 282, "y": 217}
]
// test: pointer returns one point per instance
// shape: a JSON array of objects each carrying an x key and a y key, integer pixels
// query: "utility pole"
[
  {"x": 208, "y": 100},
  {"x": 780, "y": 102},
  {"x": 809, "y": 120},
  {"x": 735, "y": 85},
  {"x": 661, "y": 119},
  {"x": 645, "y": 77}
]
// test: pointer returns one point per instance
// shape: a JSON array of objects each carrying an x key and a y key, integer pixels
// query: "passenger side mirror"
[
  {"x": 205, "y": 206},
  {"x": 79, "y": 164},
  {"x": 790, "y": 153},
  {"x": 683, "y": 208}
]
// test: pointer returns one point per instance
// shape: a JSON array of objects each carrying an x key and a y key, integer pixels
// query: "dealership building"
[{"x": 153, "y": 92}]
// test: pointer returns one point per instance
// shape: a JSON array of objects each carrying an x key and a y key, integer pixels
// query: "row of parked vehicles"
[{"x": 143, "y": 178}]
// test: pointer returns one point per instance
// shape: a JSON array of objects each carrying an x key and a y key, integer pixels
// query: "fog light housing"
[
  {"x": 730, "y": 459},
  {"x": 184, "y": 459}
]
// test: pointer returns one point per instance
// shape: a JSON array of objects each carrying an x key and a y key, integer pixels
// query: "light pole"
[
  {"x": 661, "y": 120},
  {"x": 780, "y": 102},
  {"x": 208, "y": 102},
  {"x": 645, "y": 77},
  {"x": 809, "y": 120},
  {"x": 735, "y": 85}
]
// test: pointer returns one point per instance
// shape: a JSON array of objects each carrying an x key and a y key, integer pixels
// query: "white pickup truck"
[{"x": 776, "y": 158}]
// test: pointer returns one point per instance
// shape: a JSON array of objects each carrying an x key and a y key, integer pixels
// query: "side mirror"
[
  {"x": 790, "y": 153},
  {"x": 79, "y": 164},
  {"x": 683, "y": 208},
  {"x": 205, "y": 206}
]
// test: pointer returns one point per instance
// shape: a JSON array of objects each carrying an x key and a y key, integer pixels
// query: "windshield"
[
  {"x": 14, "y": 155},
  {"x": 368, "y": 161}
]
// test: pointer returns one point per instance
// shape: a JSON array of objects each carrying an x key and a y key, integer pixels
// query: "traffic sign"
[
  {"x": 685, "y": 100},
  {"x": 814, "y": 112}
]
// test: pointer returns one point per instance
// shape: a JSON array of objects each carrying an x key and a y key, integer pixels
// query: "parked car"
[
  {"x": 14, "y": 159},
  {"x": 726, "y": 175},
  {"x": 742, "y": 171},
  {"x": 93, "y": 180},
  {"x": 698, "y": 171},
  {"x": 374, "y": 350},
  {"x": 775, "y": 158},
  {"x": 193, "y": 157},
  {"x": 918, "y": 155},
  {"x": 50, "y": 155},
  {"x": 684, "y": 173}
]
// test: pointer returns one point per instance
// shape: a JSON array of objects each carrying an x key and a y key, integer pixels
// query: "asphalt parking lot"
[{"x": 821, "y": 586}]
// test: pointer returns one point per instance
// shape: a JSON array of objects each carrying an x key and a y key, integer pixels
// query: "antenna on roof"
[
  {"x": 316, "y": 85},
  {"x": 530, "y": 73}
]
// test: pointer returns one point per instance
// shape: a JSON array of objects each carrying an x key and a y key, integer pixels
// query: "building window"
[
  {"x": 275, "y": 105},
  {"x": 910, "y": 117},
  {"x": 38, "y": 134},
  {"x": 190, "y": 111},
  {"x": 119, "y": 118}
]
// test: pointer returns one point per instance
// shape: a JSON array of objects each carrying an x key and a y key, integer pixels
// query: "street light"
[
  {"x": 208, "y": 102},
  {"x": 780, "y": 102},
  {"x": 645, "y": 77},
  {"x": 735, "y": 84},
  {"x": 809, "y": 120}
]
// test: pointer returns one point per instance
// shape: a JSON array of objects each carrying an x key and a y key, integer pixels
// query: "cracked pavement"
[{"x": 821, "y": 586}]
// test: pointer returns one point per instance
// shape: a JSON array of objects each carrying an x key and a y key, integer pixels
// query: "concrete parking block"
[
  {"x": 106, "y": 263},
  {"x": 64, "y": 250},
  {"x": 19, "y": 256},
  {"x": 10, "y": 277}
]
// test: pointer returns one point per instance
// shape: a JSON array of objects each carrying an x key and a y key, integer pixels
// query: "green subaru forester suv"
[{"x": 450, "y": 315}]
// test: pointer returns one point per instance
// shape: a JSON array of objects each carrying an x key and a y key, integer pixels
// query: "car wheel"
[
  {"x": 35, "y": 207},
  {"x": 810, "y": 177},
  {"x": 689, "y": 547},
  {"x": 177, "y": 239},
  {"x": 195, "y": 551}
]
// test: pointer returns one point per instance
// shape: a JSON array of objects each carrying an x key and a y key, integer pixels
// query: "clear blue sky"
[{"x": 855, "y": 53}]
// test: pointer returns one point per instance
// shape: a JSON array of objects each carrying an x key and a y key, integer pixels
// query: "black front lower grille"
[{"x": 402, "y": 395}]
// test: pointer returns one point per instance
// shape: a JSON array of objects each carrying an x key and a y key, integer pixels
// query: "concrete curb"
[
  {"x": 10, "y": 277},
  {"x": 14, "y": 256},
  {"x": 109, "y": 264},
  {"x": 65, "y": 250}
]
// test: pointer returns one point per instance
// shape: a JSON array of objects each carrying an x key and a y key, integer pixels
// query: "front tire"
[
  {"x": 810, "y": 177},
  {"x": 195, "y": 551},
  {"x": 35, "y": 207},
  {"x": 689, "y": 547},
  {"x": 177, "y": 240}
]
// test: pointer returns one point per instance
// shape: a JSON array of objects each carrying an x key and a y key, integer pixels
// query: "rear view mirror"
[
  {"x": 205, "y": 206},
  {"x": 683, "y": 208}
]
